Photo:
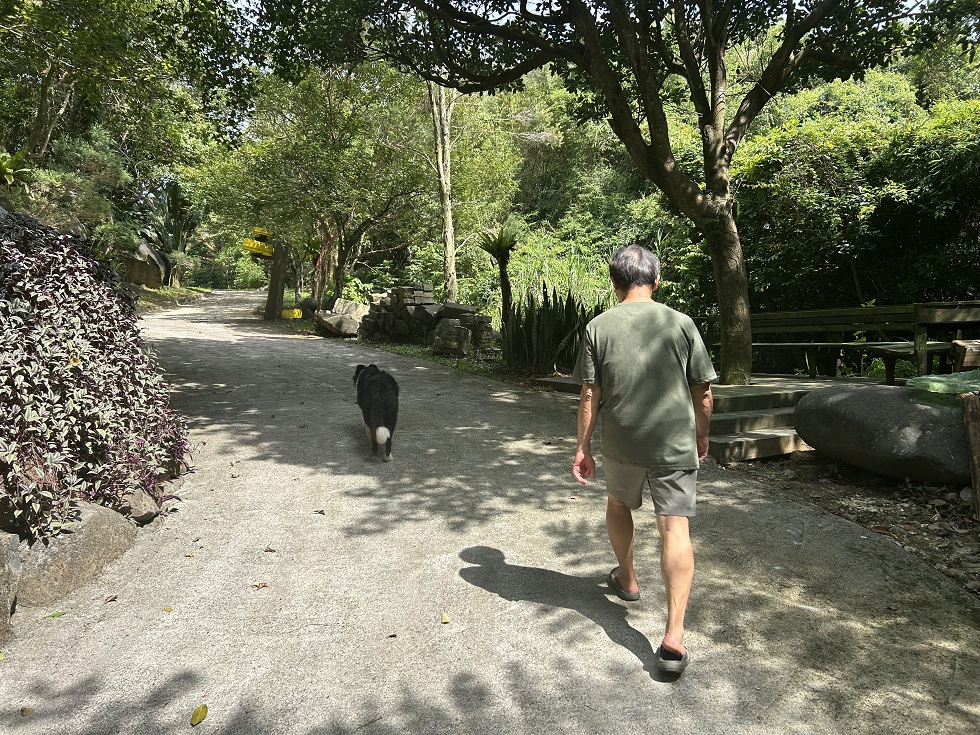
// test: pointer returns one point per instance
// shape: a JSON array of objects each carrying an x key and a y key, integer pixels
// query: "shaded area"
[{"x": 797, "y": 624}]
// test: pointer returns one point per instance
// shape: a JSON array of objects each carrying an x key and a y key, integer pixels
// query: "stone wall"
[{"x": 410, "y": 314}]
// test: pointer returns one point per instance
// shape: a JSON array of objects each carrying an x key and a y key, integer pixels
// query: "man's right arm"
[
  {"x": 583, "y": 466},
  {"x": 703, "y": 405}
]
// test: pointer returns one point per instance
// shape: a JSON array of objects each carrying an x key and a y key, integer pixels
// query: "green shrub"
[
  {"x": 544, "y": 336},
  {"x": 249, "y": 274},
  {"x": 85, "y": 413}
]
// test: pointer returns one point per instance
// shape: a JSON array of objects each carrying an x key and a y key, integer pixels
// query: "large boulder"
[
  {"x": 892, "y": 430},
  {"x": 98, "y": 536},
  {"x": 353, "y": 309}
]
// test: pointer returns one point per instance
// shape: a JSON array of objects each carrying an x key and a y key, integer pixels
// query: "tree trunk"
[
  {"x": 506, "y": 298},
  {"x": 731, "y": 285},
  {"x": 442, "y": 112},
  {"x": 45, "y": 120},
  {"x": 343, "y": 256},
  {"x": 323, "y": 273},
  {"x": 277, "y": 282}
]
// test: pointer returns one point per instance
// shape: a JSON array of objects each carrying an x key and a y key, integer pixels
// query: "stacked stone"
[
  {"x": 410, "y": 314},
  {"x": 479, "y": 325},
  {"x": 402, "y": 313}
]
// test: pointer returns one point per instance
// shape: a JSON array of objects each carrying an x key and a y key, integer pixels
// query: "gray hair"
[{"x": 634, "y": 266}]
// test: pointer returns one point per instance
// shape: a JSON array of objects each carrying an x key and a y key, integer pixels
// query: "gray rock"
[
  {"x": 10, "y": 571},
  {"x": 342, "y": 325},
  {"x": 140, "y": 506},
  {"x": 892, "y": 430},
  {"x": 451, "y": 310},
  {"x": 350, "y": 308},
  {"x": 309, "y": 307},
  {"x": 451, "y": 338},
  {"x": 73, "y": 559}
]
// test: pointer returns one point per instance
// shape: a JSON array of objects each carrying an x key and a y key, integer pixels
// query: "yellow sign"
[{"x": 259, "y": 248}]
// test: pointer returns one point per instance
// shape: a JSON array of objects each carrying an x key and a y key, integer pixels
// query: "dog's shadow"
[{"x": 554, "y": 589}]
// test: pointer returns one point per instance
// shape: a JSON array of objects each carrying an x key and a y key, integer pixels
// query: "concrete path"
[{"x": 301, "y": 586}]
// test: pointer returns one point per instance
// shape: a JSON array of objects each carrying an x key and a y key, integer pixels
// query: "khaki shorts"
[{"x": 673, "y": 494}]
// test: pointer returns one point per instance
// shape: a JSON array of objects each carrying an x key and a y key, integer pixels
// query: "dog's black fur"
[{"x": 377, "y": 395}]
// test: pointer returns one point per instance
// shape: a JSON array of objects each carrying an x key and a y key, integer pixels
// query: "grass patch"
[
  {"x": 303, "y": 326},
  {"x": 167, "y": 297}
]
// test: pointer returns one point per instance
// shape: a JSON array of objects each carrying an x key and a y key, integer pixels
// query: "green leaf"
[
  {"x": 198, "y": 715},
  {"x": 54, "y": 615}
]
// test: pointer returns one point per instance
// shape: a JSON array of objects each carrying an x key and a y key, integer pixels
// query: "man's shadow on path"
[{"x": 554, "y": 589}]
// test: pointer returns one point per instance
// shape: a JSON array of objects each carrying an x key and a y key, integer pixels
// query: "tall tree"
[
  {"x": 68, "y": 56},
  {"x": 441, "y": 104},
  {"x": 631, "y": 61},
  {"x": 332, "y": 156}
]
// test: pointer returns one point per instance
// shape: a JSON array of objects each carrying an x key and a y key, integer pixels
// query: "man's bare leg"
[
  {"x": 619, "y": 526},
  {"x": 677, "y": 567}
]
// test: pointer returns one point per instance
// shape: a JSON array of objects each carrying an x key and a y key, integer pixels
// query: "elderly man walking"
[{"x": 645, "y": 371}]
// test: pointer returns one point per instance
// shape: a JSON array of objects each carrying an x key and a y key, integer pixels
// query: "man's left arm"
[{"x": 703, "y": 405}]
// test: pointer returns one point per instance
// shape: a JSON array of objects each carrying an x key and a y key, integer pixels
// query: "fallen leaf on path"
[
  {"x": 198, "y": 715},
  {"x": 321, "y": 512},
  {"x": 445, "y": 618},
  {"x": 236, "y": 474},
  {"x": 2, "y": 656},
  {"x": 392, "y": 635},
  {"x": 168, "y": 609},
  {"x": 189, "y": 553},
  {"x": 196, "y": 540},
  {"x": 111, "y": 598},
  {"x": 270, "y": 549},
  {"x": 26, "y": 711},
  {"x": 259, "y": 585},
  {"x": 54, "y": 615}
]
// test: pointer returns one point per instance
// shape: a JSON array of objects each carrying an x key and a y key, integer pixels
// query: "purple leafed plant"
[{"x": 84, "y": 412}]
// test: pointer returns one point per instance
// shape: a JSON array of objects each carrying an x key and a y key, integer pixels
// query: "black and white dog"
[{"x": 377, "y": 395}]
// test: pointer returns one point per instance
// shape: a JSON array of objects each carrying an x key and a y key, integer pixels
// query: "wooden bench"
[
  {"x": 872, "y": 330},
  {"x": 946, "y": 316},
  {"x": 965, "y": 354}
]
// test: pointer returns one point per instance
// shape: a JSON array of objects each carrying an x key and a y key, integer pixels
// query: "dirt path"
[{"x": 301, "y": 585}]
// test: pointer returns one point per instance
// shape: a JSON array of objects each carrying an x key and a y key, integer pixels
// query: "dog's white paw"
[{"x": 387, "y": 458}]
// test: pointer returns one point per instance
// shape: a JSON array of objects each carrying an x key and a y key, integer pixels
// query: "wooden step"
[
  {"x": 755, "y": 444},
  {"x": 736, "y": 422},
  {"x": 731, "y": 399}
]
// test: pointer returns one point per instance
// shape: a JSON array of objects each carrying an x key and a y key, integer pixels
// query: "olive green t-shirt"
[{"x": 644, "y": 357}]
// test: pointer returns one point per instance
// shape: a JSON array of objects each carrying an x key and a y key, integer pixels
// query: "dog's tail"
[{"x": 381, "y": 434}]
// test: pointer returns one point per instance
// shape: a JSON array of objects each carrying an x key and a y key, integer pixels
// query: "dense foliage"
[
  {"x": 843, "y": 192},
  {"x": 85, "y": 413}
]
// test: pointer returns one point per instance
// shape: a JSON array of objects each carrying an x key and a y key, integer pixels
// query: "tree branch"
[{"x": 782, "y": 65}]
